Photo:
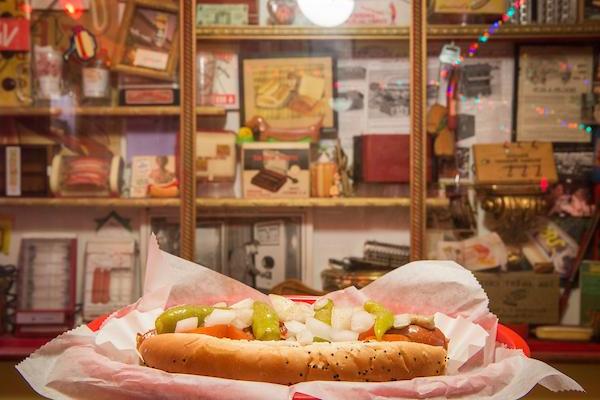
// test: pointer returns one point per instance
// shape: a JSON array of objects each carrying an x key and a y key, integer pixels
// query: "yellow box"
[{"x": 470, "y": 6}]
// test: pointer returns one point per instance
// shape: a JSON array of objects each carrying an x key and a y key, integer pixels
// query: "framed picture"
[
  {"x": 291, "y": 92},
  {"x": 148, "y": 41}
]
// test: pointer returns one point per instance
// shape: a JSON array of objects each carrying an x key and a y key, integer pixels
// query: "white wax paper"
[{"x": 104, "y": 364}]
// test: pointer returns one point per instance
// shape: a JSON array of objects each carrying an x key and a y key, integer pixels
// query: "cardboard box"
[
  {"x": 522, "y": 297},
  {"x": 469, "y": 7},
  {"x": 215, "y": 156},
  {"x": 589, "y": 275},
  {"x": 275, "y": 170}
]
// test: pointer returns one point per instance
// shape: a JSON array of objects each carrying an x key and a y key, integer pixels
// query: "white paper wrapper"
[{"x": 104, "y": 364}]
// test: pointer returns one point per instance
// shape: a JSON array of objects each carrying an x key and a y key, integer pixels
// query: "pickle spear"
[
  {"x": 167, "y": 321},
  {"x": 265, "y": 322},
  {"x": 384, "y": 319}
]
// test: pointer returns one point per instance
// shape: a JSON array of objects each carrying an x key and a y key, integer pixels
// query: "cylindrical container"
[
  {"x": 205, "y": 66},
  {"x": 48, "y": 71},
  {"x": 322, "y": 178}
]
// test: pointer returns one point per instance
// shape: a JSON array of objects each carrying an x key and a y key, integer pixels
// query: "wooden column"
[
  {"x": 187, "y": 127},
  {"x": 418, "y": 133}
]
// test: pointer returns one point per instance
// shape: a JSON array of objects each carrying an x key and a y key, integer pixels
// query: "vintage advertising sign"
[
  {"x": 514, "y": 163},
  {"x": 14, "y": 34}
]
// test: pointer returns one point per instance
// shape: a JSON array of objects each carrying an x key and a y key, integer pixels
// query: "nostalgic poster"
[
  {"x": 551, "y": 83},
  {"x": 289, "y": 92}
]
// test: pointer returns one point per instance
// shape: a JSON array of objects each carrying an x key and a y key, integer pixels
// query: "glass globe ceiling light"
[{"x": 327, "y": 13}]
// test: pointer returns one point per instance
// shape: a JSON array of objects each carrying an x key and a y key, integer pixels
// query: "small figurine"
[
  {"x": 336, "y": 188},
  {"x": 281, "y": 12}
]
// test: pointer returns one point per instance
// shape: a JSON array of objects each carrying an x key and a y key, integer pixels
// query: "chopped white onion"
[
  {"x": 343, "y": 335},
  {"x": 301, "y": 311},
  {"x": 401, "y": 321},
  {"x": 219, "y": 317},
  {"x": 361, "y": 321},
  {"x": 246, "y": 303},
  {"x": 341, "y": 317},
  {"x": 293, "y": 327},
  {"x": 319, "y": 329},
  {"x": 239, "y": 324},
  {"x": 186, "y": 324},
  {"x": 245, "y": 315},
  {"x": 322, "y": 302},
  {"x": 282, "y": 306},
  {"x": 305, "y": 337},
  {"x": 220, "y": 304}
]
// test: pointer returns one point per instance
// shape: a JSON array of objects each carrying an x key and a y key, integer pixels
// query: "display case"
[{"x": 219, "y": 125}]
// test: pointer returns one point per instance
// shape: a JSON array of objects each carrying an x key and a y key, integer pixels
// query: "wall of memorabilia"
[{"x": 302, "y": 148}]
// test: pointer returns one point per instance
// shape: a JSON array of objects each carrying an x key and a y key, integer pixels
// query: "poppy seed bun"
[{"x": 287, "y": 363}]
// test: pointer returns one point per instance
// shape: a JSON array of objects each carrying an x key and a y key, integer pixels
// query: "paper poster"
[{"x": 551, "y": 82}]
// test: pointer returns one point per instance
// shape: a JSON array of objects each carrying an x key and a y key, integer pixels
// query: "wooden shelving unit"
[
  {"x": 105, "y": 111},
  {"x": 572, "y": 31},
  {"x": 210, "y": 203},
  {"x": 87, "y": 202}
]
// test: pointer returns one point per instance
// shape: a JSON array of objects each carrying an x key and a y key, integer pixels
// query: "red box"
[{"x": 383, "y": 159}]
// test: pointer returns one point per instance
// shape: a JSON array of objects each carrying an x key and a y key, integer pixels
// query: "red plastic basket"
[{"x": 504, "y": 335}]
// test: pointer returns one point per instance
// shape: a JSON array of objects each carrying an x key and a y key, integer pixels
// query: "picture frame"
[
  {"x": 148, "y": 40},
  {"x": 289, "y": 91}
]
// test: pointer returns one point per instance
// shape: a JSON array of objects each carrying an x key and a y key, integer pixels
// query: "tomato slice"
[
  {"x": 223, "y": 331},
  {"x": 219, "y": 331},
  {"x": 237, "y": 334},
  {"x": 367, "y": 334},
  {"x": 389, "y": 337}
]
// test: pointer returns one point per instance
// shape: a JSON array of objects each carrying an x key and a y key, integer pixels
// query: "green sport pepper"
[
  {"x": 323, "y": 314},
  {"x": 384, "y": 319},
  {"x": 167, "y": 321},
  {"x": 265, "y": 322}
]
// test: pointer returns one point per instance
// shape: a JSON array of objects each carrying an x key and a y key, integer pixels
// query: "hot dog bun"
[{"x": 287, "y": 363}]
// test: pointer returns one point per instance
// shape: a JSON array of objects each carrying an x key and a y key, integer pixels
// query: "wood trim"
[
  {"x": 187, "y": 129},
  {"x": 105, "y": 111},
  {"x": 418, "y": 133},
  {"x": 434, "y": 32}
]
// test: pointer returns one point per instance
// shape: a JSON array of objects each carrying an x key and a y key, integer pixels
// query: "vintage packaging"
[
  {"x": 222, "y": 14},
  {"x": 109, "y": 277},
  {"x": 15, "y": 74},
  {"x": 215, "y": 156},
  {"x": 250, "y": 5},
  {"x": 522, "y": 297},
  {"x": 141, "y": 91},
  {"x": 554, "y": 245},
  {"x": 275, "y": 170},
  {"x": 85, "y": 176},
  {"x": 589, "y": 278},
  {"x": 24, "y": 170},
  {"x": 477, "y": 254},
  {"x": 469, "y": 6},
  {"x": 147, "y": 171},
  {"x": 383, "y": 158},
  {"x": 46, "y": 286},
  {"x": 221, "y": 73}
]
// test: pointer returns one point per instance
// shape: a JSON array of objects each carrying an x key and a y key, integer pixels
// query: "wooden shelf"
[
  {"x": 123, "y": 111},
  {"x": 87, "y": 202},
  {"x": 314, "y": 202},
  {"x": 573, "y": 31},
  {"x": 218, "y": 203}
]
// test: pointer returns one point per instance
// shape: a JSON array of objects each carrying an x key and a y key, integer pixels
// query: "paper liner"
[{"x": 104, "y": 365}]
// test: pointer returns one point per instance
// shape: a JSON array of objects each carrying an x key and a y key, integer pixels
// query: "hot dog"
[{"x": 294, "y": 344}]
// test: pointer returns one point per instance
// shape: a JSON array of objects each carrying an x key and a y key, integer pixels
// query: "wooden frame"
[
  {"x": 253, "y": 69},
  {"x": 153, "y": 57}
]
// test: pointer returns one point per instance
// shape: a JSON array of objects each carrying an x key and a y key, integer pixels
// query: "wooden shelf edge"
[
  {"x": 314, "y": 202},
  {"x": 88, "y": 202},
  {"x": 583, "y": 30},
  {"x": 116, "y": 111},
  {"x": 218, "y": 203}
]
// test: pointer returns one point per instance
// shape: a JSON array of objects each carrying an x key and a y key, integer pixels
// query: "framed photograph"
[
  {"x": 148, "y": 41},
  {"x": 291, "y": 92}
]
